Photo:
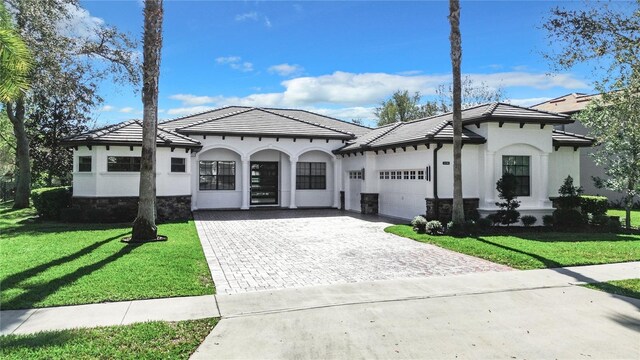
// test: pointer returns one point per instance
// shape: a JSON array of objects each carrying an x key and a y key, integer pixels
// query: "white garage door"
[{"x": 355, "y": 187}]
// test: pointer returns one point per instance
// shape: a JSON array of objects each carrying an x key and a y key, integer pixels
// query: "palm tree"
[
  {"x": 144, "y": 226},
  {"x": 456, "y": 59},
  {"x": 15, "y": 65}
]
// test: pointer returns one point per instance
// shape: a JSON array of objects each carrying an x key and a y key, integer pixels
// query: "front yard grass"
[
  {"x": 51, "y": 264},
  {"x": 151, "y": 340},
  {"x": 635, "y": 216},
  {"x": 537, "y": 250},
  {"x": 630, "y": 288}
]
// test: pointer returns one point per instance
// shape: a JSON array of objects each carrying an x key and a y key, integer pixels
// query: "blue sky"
[{"x": 337, "y": 58}]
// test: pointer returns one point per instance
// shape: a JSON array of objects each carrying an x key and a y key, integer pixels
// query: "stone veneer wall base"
[
  {"x": 125, "y": 209},
  {"x": 440, "y": 209}
]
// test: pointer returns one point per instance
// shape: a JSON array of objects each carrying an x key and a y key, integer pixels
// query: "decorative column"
[
  {"x": 490, "y": 180},
  {"x": 246, "y": 175},
  {"x": 292, "y": 197},
  {"x": 544, "y": 180},
  {"x": 336, "y": 182}
]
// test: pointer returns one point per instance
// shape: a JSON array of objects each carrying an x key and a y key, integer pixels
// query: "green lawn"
[
  {"x": 629, "y": 288},
  {"x": 537, "y": 250},
  {"x": 635, "y": 216},
  {"x": 152, "y": 340},
  {"x": 51, "y": 264}
]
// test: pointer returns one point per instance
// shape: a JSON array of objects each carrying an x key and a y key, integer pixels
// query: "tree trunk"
[
  {"x": 23, "y": 173},
  {"x": 144, "y": 226},
  {"x": 456, "y": 59},
  {"x": 628, "y": 204}
]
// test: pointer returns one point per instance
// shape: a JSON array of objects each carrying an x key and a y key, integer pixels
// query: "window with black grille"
[
  {"x": 123, "y": 163},
  {"x": 178, "y": 165},
  {"x": 84, "y": 163},
  {"x": 311, "y": 176},
  {"x": 519, "y": 167},
  {"x": 217, "y": 175}
]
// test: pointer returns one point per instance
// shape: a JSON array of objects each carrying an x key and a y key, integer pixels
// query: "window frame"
[
  {"x": 217, "y": 179},
  {"x": 184, "y": 165},
  {"x": 307, "y": 180},
  {"x": 130, "y": 166},
  {"x": 80, "y": 164},
  {"x": 523, "y": 182}
]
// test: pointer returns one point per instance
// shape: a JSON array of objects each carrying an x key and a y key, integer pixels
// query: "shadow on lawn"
[
  {"x": 38, "y": 340},
  {"x": 574, "y": 237},
  {"x": 39, "y": 292}
]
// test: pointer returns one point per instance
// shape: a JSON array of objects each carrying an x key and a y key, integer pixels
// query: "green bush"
[
  {"x": 569, "y": 195},
  {"x": 599, "y": 220},
  {"x": 434, "y": 227},
  {"x": 528, "y": 220},
  {"x": 419, "y": 224},
  {"x": 49, "y": 202},
  {"x": 614, "y": 224},
  {"x": 594, "y": 205},
  {"x": 567, "y": 218},
  {"x": 547, "y": 220},
  {"x": 456, "y": 229}
]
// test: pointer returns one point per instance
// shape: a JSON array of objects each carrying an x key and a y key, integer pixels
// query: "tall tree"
[
  {"x": 62, "y": 54},
  {"x": 15, "y": 60},
  {"x": 455, "y": 39},
  {"x": 144, "y": 226},
  {"x": 607, "y": 37},
  {"x": 472, "y": 93},
  {"x": 400, "y": 107}
]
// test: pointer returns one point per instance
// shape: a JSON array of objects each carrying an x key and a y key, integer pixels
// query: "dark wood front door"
[{"x": 264, "y": 183}]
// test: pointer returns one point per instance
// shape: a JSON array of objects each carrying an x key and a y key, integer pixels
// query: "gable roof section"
[
  {"x": 371, "y": 136},
  {"x": 130, "y": 133},
  {"x": 503, "y": 112},
  {"x": 182, "y": 121},
  {"x": 563, "y": 138},
  {"x": 263, "y": 122}
]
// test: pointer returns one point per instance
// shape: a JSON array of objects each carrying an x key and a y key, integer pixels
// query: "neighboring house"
[
  {"x": 242, "y": 157},
  {"x": 570, "y": 105}
]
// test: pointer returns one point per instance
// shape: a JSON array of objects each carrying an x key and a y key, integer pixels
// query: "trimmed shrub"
[
  {"x": 594, "y": 205},
  {"x": 470, "y": 227},
  {"x": 49, "y": 202},
  {"x": 506, "y": 187},
  {"x": 567, "y": 218},
  {"x": 434, "y": 227},
  {"x": 528, "y": 220},
  {"x": 569, "y": 195},
  {"x": 494, "y": 218},
  {"x": 419, "y": 224},
  {"x": 456, "y": 229},
  {"x": 547, "y": 220},
  {"x": 484, "y": 223},
  {"x": 473, "y": 215}
]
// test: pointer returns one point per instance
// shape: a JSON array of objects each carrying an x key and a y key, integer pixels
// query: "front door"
[{"x": 264, "y": 183}]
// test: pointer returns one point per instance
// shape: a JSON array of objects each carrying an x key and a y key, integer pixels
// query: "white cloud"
[
  {"x": 107, "y": 108},
  {"x": 235, "y": 62},
  {"x": 354, "y": 95},
  {"x": 267, "y": 22},
  {"x": 79, "y": 23},
  {"x": 189, "y": 110},
  {"x": 286, "y": 69},
  {"x": 127, "y": 110},
  {"x": 247, "y": 16}
]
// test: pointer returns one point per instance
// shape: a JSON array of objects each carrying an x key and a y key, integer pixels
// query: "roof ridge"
[
  {"x": 199, "y": 113},
  {"x": 184, "y": 137},
  {"x": 396, "y": 125},
  {"x": 322, "y": 115},
  {"x": 490, "y": 109},
  {"x": 531, "y": 109},
  {"x": 306, "y": 122},
  {"x": 109, "y": 129},
  {"x": 199, "y": 122},
  {"x": 437, "y": 129}
]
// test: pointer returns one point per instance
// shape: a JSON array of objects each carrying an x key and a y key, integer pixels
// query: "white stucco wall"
[
  {"x": 100, "y": 182},
  {"x": 563, "y": 163}
]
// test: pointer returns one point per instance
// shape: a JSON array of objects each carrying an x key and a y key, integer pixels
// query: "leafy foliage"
[
  {"x": 15, "y": 60},
  {"x": 569, "y": 194},
  {"x": 434, "y": 227},
  {"x": 594, "y": 205},
  {"x": 49, "y": 202},
  {"x": 528, "y": 220},
  {"x": 506, "y": 187}
]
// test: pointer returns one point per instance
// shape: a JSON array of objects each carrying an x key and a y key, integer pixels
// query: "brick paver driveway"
[{"x": 273, "y": 249}]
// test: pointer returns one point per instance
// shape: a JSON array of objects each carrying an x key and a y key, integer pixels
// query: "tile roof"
[
  {"x": 498, "y": 111},
  {"x": 263, "y": 122},
  {"x": 567, "y": 104},
  {"x": 130, "y": 133},
  {"x": 563, "y": 138},
  {"x": 302, "y": 115}
]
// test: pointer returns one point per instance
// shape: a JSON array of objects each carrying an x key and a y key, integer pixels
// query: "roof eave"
[{"x": 265, "y": 135}]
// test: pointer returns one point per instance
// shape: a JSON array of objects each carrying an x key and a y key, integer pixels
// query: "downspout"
[{"x": 435, "y": 180}]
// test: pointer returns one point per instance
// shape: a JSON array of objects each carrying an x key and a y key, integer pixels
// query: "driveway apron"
[{"x": 274, "y": 249}]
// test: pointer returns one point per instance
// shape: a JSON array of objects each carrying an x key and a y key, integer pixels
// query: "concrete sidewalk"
[
  {"x": 250, "y": 305},
  {"x": 106, "y": 314},
  {"x": 518, "y": 314}
]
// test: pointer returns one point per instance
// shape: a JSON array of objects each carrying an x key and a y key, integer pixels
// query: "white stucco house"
[{"x": 244, "y": 157}]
